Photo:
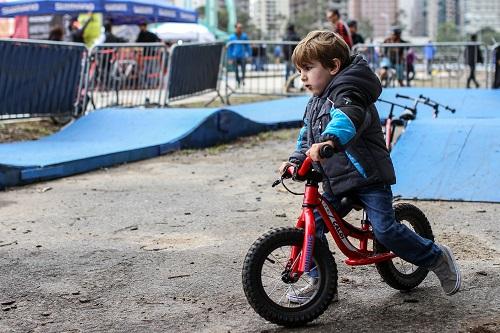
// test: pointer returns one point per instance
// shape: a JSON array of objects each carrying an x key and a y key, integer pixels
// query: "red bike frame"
[{"x": 300, "y": 262}]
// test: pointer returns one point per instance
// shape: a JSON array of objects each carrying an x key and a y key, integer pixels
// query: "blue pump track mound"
[
  {"x": 116, "y": 135},
  {"x": 453, "y": 157}
]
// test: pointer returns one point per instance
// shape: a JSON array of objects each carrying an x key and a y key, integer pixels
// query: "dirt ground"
[{"x": 158, "y": 246}]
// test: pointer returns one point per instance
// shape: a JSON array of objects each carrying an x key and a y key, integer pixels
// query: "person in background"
[
  {"x": 396, "y": 54},
  {"x": 151, "y": 62},
  {"x": 259, "y": 57},
  {"x": 338, "y": 26},
  {"x": 109, "y": 37},
  {"x": 353, "y": 29},
  {"x": 410, "y": 65},
  {"x": 146, "y": 36},
  {"x": 56, "y": 34},
  {"x": 277, "y": 53},
  {"x": 291, "y": 36},
  {"x": 473, "y": 55},
  {"x": 77, "y": 31},
  {"x": 496, "y": 58},
  {"x": 238, "y": 53},
  {"x": 429, "y": 54}
]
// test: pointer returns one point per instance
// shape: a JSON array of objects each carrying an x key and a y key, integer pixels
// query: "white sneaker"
[
  {"x": 448, "y": 271},
  {"x": 305, "y": 294}
]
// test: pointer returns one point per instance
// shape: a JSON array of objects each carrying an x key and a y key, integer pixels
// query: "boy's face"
[{"x": 316, "y": 77}]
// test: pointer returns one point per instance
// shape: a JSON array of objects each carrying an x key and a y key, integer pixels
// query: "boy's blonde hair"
[{"x": 322, "y": 46}]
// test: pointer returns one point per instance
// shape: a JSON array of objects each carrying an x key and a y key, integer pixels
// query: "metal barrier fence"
[
  {"x": 437, "y": 65},
  {"x": 40, "y": 78},
  {"x": 125, "y": 75},
  {"x": 268, "y": 70},
  {"x": 194, "y": 69},
  {"x": 259, "y": 67}
]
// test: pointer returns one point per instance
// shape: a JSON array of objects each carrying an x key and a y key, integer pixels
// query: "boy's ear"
[{"x": 336, "y": 66}]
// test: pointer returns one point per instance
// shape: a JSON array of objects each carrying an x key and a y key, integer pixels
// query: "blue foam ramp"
[
  {"x": 117, "y": 135},
  {"x": 449, "y": 159}
]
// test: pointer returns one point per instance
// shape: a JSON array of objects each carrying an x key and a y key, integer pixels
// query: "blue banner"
[{"x": 122, "y": 11}]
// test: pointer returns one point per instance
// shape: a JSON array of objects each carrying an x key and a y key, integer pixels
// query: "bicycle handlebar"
[
  {"x": 427, "y": 101},
  {"x": 434, "y": 104},
  {"x": 404, "y": 107},
  {"x": 326, "y": 151},
  {"x": 403, "y": 96}
]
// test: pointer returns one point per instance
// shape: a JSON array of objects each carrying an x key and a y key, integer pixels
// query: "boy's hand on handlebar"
[
  {"x": 314, "y": 151},
  {"x": 284, "y": 167}
]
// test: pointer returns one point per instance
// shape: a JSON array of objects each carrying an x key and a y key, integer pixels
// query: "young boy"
[{"x": 342, "y": 114}]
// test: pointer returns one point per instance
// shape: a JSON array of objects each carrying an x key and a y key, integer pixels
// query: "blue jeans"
[
  {"x": 404, "y": 242},
  {"x": 241, "y": 62}
]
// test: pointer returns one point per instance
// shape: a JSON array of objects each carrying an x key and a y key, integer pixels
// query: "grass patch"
[
  {"x": 26, "y": 130},
  {"x": 235, "y": 100}
]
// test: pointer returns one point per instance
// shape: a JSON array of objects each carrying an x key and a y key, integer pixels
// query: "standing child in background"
[{"x": 410, "y": 67}]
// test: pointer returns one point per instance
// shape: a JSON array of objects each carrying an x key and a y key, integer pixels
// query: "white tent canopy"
[{"x": 183, "y": 31}]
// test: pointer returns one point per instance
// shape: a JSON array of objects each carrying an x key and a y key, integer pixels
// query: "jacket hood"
[{"x": 357, "y": 77}]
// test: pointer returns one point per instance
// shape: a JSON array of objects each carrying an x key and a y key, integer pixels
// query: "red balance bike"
[
  {"x": 409, "y": 113},
  {"x": 279, "y": 264}
]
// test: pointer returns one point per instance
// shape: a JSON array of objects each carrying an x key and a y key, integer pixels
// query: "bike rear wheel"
[
  {"x": 397, "y": 273},
  {"x": 265, "y": 289}
]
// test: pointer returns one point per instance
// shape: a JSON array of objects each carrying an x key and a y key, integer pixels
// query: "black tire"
[
  {"x": 255, "y": 290},
  {"x": 391, "y": 271}
]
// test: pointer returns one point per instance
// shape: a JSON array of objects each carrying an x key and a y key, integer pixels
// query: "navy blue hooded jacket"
[{"x": 345, "y": 113}]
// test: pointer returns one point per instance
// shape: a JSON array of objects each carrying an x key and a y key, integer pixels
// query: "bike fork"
[
  {"x": 301, "y": 258},
  {"x": 363, "y": 243}
]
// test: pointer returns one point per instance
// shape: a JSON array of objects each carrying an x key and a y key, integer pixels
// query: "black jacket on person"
[
  {"x": 77, "y": 34},
  {"x": 147, "y": 37},
  {"x": 357, "y": 39},
  {"x": 346, "y": 114},
  {"x": 473, "y": 55},
  {"x": 291, "y": 36},
  {"x": 110, "y": 38}
]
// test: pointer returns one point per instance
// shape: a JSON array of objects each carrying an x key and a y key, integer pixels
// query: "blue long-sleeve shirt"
[{"x": 238, "y": 51}]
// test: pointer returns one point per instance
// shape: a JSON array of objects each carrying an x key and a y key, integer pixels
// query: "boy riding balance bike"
[{"x": 289, "y": 274}]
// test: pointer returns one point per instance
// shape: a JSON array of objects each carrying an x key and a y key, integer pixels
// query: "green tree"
[
  {"x": 365, "y": 28},
  {"x": 448, "y": 32},
  {"x": 489, "y": 35},
  {"x": 222, "y": 18},
  {"x": 305, "y": 22}
]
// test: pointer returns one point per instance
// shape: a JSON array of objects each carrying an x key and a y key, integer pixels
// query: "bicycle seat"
[
  {"x": 407, "y": 115},
  {"x": 349, "y": 203}
]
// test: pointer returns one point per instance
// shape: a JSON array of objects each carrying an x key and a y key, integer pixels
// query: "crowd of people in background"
[
  {"x": 76, "y": 32},
  {"x": 392, "y": 63}
]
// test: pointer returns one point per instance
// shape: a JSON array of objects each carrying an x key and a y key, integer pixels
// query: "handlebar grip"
[
  {"x": 451, "y": 109},
  {"x": 402, "y": 96},
  {"x": 326, "y": 151}
]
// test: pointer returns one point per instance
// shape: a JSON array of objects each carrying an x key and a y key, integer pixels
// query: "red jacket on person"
[{"x": 342, "y": 29}]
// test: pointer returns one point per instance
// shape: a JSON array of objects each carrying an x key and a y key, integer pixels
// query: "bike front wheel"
[
  {"x": 398, "y": 273},
  {"x": 276, "y": 300}
]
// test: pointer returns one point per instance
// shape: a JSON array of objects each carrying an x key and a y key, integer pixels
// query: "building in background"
[
  {"x": 381, "y": 14},
  {"x": 313, "y": 12},
  {"x": 478, "y": 14},
  {"x": 270, "y": 17},
  {"x": 241, "y": 5},
  {"x": 418, "y": 18}
]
